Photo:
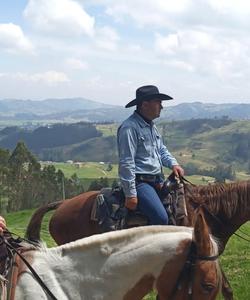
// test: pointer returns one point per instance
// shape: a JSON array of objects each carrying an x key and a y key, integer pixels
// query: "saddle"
[{"x": 111, "y": 214}]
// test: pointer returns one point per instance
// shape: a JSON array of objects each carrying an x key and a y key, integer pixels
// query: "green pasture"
[
  {"x": 88, "y": 171},
  {"x": 107, "y": 129},
  {"x": 235, "y": 260}
]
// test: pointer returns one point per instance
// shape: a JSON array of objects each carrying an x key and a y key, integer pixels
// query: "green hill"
[
  {"x": 198, "y": 143},
  {"x": 210, "y": 142}
]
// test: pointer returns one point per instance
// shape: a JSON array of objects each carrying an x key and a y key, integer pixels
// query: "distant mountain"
[
  {"x": 80, "y": 109},
  {"x": 13, "y": 107},
  {"x": 198, "y": 110}
]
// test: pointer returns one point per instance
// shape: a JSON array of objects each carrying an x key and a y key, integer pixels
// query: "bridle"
[
  {"x": 188, "y": 270},
  {"x": 15, "y": 252}
]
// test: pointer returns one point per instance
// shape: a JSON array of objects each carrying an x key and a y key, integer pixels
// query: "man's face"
[{"x": 152, "y": 109}]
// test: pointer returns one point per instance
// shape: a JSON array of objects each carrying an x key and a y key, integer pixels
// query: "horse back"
[{"x": 71, "y": 220}]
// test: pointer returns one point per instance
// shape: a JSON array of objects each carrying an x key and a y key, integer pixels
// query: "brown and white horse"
[
  {"x": 226, "y": 208},
  {"x": 178, "y": 262}
]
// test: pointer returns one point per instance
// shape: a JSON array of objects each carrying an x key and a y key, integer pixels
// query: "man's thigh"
[{"x": 150, "y": 204}]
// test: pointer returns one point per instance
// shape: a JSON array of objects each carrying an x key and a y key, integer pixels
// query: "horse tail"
[{"x": 34, "y": 226}]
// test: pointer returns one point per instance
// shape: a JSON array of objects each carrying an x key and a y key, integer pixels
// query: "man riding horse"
[{"x": 142, "y": 156}]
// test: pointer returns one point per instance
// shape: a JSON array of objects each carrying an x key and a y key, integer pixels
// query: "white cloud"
[
  {"x": 107, "y": 38},
  {"x": 48, "y": 78},
  {"x": 13, "y": 40},
  {"x": 60, "y": 17},
  {"x": 76, "y": 64},
  {"x": 143, "y": 13},
  {"x": 231, "y": 6},
  {"x": 166, "y": 44},
  {"x": 204, "y": 46},
  {"x": 180, "y": 65},
  {"x": 209, "y": 53},
  {"x": 169, "y": 14}
]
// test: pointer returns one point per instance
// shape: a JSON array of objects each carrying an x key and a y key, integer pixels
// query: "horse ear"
[{"x": 201, "y": 235}]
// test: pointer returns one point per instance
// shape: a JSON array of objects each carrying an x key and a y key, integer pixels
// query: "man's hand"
[
  {"x": 2, "y": 224},
  {"x": 131, "y": 202},
  {"x": 178, "y": 171}
]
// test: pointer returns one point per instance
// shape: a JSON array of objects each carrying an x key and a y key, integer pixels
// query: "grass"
[
  {"x": 236, "y": 264},
  {"x": 235, "y": 259},
  {"x": 107, "y": 129},
  {"x": 87, "y": 169},
  {"x": 17, "y": 222}
]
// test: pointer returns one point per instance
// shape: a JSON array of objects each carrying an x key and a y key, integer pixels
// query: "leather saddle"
[{"x": 111, "y": 214}]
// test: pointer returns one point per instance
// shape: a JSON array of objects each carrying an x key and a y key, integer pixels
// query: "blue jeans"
[{"x": 150, "y": 204}]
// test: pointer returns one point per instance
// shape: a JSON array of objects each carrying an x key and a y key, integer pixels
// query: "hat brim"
[{"x": 148, "y": 98}]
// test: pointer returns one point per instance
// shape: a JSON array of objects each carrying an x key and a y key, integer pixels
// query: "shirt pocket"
[{"x": 146, "y": 144}]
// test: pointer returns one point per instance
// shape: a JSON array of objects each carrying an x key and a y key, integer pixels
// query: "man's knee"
[{"x": 162, "y": 219}]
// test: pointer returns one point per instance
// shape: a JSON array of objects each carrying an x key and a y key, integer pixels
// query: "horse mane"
[
  {"x": 105, "y": 239},
  {"x": 226, "y": 197}
]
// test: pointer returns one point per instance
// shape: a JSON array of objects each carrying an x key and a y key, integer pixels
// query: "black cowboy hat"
[{"x": 147, "y": 93}]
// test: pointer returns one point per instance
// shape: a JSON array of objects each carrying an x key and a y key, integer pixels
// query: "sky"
[{"x": 102, "y": 50}]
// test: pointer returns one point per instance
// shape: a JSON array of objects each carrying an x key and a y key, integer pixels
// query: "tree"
[
  {"x": 51, "y": 189},
  {"x": 23, "y": 173},
  {"x": 4, "y": 157},
  {"x": 94, "y": 185},
  {"x": 115, "y": 183},
  {"x": 98, "y": 184},
  {"x": 221, "y": 173},
  {"x": 109, "y": 167},
  {"x": 248, "y": 167}
]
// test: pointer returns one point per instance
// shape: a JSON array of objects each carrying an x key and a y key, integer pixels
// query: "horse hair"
[{"x": 226, "y": 197}]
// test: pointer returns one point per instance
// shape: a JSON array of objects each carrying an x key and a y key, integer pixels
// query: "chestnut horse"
[
  {"x": 226, "y": 208},
  {"x": 181, "y": 263}
]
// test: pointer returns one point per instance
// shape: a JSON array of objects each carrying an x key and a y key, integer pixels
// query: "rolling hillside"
[
  {"x": 211, "y": 143},
  {"x": 202, "y": 143}
]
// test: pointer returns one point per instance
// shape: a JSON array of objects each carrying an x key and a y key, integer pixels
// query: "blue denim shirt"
[{"x": 141, "y": 151}]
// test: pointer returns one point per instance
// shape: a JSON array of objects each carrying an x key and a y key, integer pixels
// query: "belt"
[{"x": 148, "y": 177}]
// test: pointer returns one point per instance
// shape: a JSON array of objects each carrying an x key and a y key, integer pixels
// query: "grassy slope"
[
  {"x": 93, "y": 170},
  {"x": 212, "y": 144},
  {"x": 208, "y": 147},
  {"x": 235, "y": 260},
  {"x": 87, "y": 170}
]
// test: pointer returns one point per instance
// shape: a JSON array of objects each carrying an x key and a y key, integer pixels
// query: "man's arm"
[
  {"x": 168, "y": 160},
  {"x": 127, "y": 146}
]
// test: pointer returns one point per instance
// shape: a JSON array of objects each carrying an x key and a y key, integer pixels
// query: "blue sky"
[{"x": 193, "y": 50}]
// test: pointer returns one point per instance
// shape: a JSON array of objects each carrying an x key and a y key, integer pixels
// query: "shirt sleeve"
[
  {"x": 127, "y": 146},
  {"x": 168, "y": 160}
]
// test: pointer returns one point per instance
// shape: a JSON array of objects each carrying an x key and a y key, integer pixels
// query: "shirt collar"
[{"x": 141, "y": 120}]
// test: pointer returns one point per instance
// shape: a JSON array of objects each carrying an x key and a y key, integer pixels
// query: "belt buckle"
[{"x": 149, "y": 178}]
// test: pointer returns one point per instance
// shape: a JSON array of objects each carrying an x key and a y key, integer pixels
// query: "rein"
[
  {"x": 224, "y": 225},
  {"x": 12, "y": 250},
  {"x": 188, "y": 270}
]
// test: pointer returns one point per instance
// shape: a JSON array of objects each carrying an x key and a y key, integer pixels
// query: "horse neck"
[
  {"x": 229, "y": 205},
  {"x": 114, "y": 266}
]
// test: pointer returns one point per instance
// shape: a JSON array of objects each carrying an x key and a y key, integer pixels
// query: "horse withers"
[{"x": 179, "y": 262}]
